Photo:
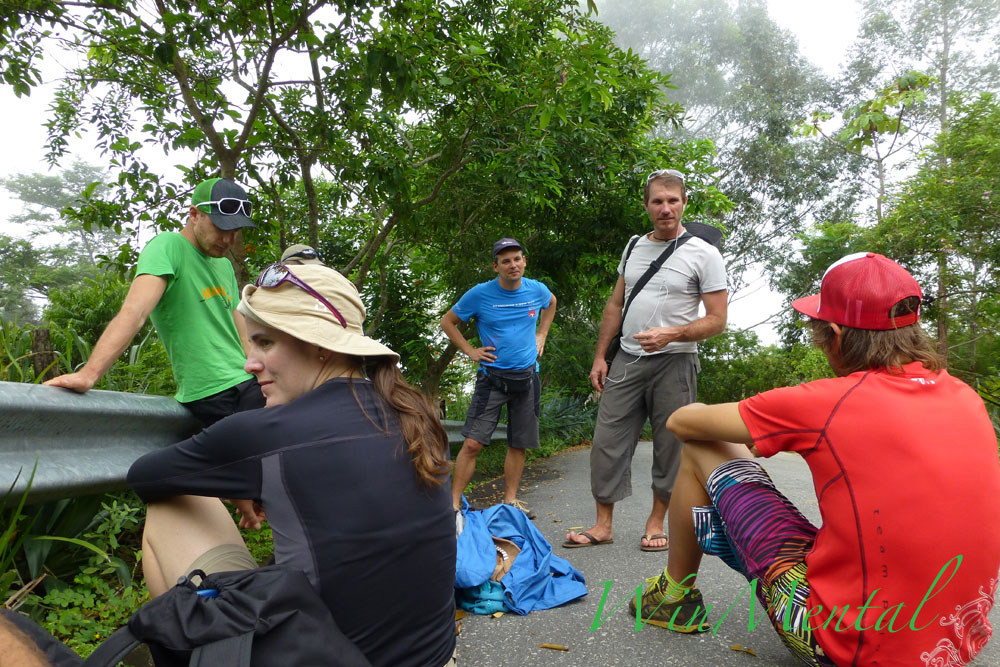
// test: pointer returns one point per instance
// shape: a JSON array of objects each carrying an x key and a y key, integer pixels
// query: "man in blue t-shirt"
[{"x": 513, "y": 315}]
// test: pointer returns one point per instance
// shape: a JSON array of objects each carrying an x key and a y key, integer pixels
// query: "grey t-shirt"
[{"x": 672, "y": 295}]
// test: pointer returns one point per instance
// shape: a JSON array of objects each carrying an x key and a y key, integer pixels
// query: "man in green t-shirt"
[{"x": 189, "y": 290}]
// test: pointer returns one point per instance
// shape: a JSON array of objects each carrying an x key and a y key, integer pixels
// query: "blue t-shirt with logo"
[{"x": 506, "y": 319}]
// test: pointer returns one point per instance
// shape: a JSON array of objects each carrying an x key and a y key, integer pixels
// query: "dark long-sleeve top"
[{"x": 345, "y": 507}]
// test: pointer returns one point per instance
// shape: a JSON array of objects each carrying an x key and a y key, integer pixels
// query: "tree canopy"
[{"x": 402, "y": 138}]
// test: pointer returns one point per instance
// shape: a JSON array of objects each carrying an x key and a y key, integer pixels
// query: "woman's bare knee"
[{"x": 179, "y": 530}]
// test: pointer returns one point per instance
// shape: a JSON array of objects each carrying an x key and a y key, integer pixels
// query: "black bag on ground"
[{"x": 250, "y": 618}]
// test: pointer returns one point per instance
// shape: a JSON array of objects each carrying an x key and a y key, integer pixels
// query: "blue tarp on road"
[{"x": 538, "y": 579}]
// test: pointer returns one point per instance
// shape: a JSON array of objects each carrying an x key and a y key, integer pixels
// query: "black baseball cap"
[
  {"x": 506, "y": 244},
  {"x": 225, "y": 202}
]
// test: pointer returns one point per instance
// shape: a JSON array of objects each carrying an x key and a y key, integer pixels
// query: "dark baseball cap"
[
  {"x": 225, "y": 202},
  {"x": 506, "y": 244}
]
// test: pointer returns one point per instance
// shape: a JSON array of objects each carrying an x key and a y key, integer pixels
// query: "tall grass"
[
  {"x": 16, "y": 358},
  {"x": 69, "y": 564}
]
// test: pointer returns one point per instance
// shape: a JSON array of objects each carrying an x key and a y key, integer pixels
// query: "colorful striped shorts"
[{"x": 758, "y": 532}]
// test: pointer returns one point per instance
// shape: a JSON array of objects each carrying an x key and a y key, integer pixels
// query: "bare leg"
[
  {"x": 465, "y": 468},
  {"x": 513, "y": 466},
  {"x": 18, "y": 648},
  {"x": 601, "y": 530},
  {"x": 654, "y": 524},
  {"x": 698, "y": 461},
  {"x": 179, "y": 530}
]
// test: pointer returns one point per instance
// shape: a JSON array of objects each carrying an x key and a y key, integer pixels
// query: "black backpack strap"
[
  {"x": 232, "y": 651},
  {"x": 628, "y": 253},
  {"x": 651, "y": 271},
  {"x": 113, "y": 649}
]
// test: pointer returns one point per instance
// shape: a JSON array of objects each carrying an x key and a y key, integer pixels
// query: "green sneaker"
[{"x": 686, "y": 615}]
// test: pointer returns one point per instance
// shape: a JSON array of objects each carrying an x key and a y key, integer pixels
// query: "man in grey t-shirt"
[{"x": 655, "y": 372}]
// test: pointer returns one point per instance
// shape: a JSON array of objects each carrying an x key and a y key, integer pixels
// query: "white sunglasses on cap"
[{"x": 660, "y": 172}]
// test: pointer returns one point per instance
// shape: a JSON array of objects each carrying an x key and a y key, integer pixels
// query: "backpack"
[{"x": 247, "y": 618}]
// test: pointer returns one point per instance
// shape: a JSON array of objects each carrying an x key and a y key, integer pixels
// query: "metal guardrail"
[
  {"x": 454, "y": 431},
  {"x": 85, "y": 443}
]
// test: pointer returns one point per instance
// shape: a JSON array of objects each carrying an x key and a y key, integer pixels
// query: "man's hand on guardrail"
[{"x": 79, "y": 382}]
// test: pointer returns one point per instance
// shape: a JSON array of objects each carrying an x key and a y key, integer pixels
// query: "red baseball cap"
[{"x": 859, "y": 291}]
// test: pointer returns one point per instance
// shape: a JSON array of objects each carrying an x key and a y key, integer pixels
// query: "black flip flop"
[{"x": 594, "y": 542}]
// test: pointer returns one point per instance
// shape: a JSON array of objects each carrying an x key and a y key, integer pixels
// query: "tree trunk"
[
  {"x": 943, "y": 70},
  {"x": 431, "y": 382},
  {"x": 43, "y": 359},
  {"x": 309, "y": 187},
  {"x": 942, "y": 303},
  {"x": 942, "y": 323}
]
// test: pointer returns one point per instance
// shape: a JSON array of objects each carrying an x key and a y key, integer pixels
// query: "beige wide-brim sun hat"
[{"x": 298, "y": 313}]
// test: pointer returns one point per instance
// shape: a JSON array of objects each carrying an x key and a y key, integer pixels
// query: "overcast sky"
[{"x": 824, "y": 31}]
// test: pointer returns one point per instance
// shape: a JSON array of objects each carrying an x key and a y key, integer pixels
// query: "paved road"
[{"x": 565, "y": 502}]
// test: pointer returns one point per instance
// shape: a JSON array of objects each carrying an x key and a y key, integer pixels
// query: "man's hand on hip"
[
  {"x": 540, "y": 343},
  {"x": 598, "y": 372},
  {"x": 657, "y": 338},
  {"x": 485, "y": 353}
]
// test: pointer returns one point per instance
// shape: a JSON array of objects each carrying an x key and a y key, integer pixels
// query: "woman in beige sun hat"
[{"x": 347, "y": 460}]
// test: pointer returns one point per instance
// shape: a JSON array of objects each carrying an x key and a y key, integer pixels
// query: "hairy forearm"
[
  {"x": 702, "y": 328},
  {"x": 548, "y": 314},
  {"x": 611, "y": 322},
  {"x": 112, "y": 343}
]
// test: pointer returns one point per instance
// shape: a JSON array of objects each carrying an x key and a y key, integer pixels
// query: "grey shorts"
[
  {"x": 636, "y": 389},
  {"x": 523, "y": 409},
  {"x": 224, "y": 558}
]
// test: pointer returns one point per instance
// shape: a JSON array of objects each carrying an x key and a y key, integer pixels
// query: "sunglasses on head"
[
  {"x": 278, "y": 273},
  {"x": 307, "y": 253},
  {"x": 230, "y": 205},
  {"x": 660, "y": 172}
]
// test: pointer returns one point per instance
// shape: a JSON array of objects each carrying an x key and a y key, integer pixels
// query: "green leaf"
[
  {"x": 73, "y": 540},
  {"x": 544, "y": 117},
  {"x": 164, "y": 54}
]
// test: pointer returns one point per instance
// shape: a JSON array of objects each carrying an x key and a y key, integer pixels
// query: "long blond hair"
[{"x": 867, "y": 349}]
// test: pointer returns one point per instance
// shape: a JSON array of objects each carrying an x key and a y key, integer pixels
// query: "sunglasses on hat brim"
[
  {"x": 278, "y": 273},
  {"x": 307, "y": 253},
  {"x": 229, "y": 205}
]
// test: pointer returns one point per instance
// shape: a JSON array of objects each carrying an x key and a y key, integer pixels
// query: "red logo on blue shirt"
[{"x": 531, "y": 313}]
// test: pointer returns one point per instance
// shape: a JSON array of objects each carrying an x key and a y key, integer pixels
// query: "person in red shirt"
[{"x": 903, "y": 457}]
